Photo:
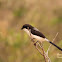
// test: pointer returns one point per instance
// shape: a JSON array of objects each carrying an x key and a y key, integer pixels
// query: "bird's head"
[{"x": 27, "y": 26}]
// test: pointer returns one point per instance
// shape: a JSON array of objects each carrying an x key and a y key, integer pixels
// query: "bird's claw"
[{"x": 35, "y": 43}]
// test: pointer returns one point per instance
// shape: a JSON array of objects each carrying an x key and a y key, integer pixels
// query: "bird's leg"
[
  {"x": 32, "y": 39},
  {"x": 35, "y": 43}
]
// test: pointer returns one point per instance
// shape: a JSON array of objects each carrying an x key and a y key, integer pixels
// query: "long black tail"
[{"x": 55, "y": 45}]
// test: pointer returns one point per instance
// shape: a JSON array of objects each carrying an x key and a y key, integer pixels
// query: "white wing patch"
[{"x": 36, "y": 29}]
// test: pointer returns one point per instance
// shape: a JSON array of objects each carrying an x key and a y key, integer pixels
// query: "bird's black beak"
[{"x": 21, "y": 28}]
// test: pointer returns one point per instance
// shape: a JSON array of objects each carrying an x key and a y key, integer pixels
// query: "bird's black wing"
[{"x": 38, "y": 33}]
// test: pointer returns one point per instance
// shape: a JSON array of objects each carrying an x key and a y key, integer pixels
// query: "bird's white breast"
[{"x": 27, "y": 31}]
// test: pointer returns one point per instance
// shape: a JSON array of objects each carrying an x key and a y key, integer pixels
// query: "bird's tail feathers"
[{"x": 54, "y": 44}]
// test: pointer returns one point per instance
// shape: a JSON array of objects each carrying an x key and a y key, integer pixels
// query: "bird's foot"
[
  {"x": 32, "y": 39},
  {"x": 35, "y": 43}
]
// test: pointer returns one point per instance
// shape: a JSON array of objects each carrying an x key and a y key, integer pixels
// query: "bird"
[{"x": 36, "y": 34}]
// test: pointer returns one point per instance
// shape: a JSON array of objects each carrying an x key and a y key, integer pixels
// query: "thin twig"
[
  {"x": 41, "y": 46},
  {"x": 49, "y": 48},
  {"x": 37, "y": 47},
  {"x": 39, "y": 50},
  {"x": 52, "y": 41}
]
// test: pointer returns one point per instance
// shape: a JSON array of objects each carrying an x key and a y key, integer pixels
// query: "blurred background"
[{"x": 15, "y": 45}]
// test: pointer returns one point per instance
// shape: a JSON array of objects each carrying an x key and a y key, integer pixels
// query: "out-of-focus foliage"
[
  {"x": 58, "y": 13},
  {"x": 15, "y": 44},
  {"x": 20, "y": 12}
]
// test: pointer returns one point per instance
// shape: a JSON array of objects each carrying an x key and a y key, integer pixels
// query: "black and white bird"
[{"x": 36, "y": 34}]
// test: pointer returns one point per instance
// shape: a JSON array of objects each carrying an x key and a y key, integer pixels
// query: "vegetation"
[{"x": 15, "y": 44}]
